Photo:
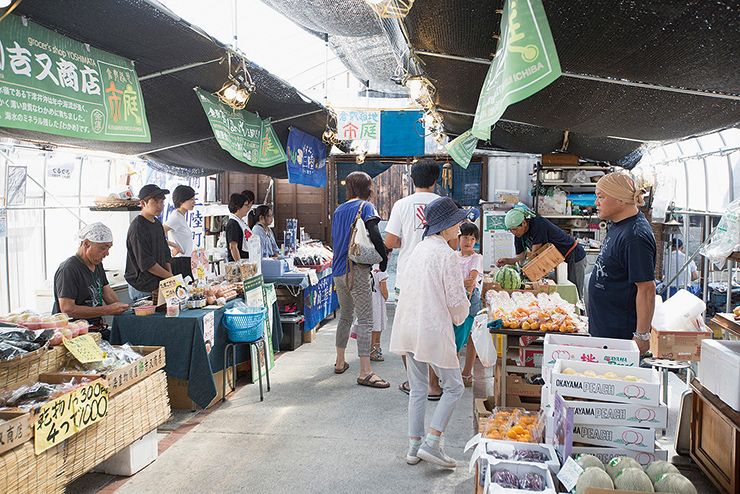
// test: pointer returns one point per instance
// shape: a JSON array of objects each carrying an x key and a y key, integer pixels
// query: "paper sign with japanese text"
[
  {"x": 199, "y": 263},
  {"x": 313, "y": 277},
  {"x": 209, "y": 330},
  {"x": 53, "y": 84},
  {"x": 84, "y": 349},
  {"x": 358, "y": 124},
  {"x": 171, "y": 289}
]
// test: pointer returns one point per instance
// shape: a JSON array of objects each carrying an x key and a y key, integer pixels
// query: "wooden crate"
[
  {"x": 715, "y": 439},
  {"x": 544, "y": 260}
]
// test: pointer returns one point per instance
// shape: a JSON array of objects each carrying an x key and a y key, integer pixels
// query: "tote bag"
[{"x": 361, "y": 250}]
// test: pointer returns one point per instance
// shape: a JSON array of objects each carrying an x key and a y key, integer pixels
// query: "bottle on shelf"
[{"x": 568, "y": 208}]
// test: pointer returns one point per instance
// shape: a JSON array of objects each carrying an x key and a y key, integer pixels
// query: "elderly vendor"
[
  {"x": 532, "y": 231},
  {"x": 81, "y": 289}
]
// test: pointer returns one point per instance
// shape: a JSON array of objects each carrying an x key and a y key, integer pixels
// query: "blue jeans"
[{"x": 137, "y": 295}]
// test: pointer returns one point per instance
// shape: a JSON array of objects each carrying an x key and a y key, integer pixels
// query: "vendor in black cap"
[{"x": 148, "y": 260}]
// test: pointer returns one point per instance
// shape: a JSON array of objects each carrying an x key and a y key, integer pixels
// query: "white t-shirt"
[
  {"x": 181, "y": 233},
  {"x": 380, "y": 313},
  {"x": 684, "y": 278},
  {"x": 407, "y": 221}
]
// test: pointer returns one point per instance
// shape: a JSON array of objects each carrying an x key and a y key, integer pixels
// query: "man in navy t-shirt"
[{"x": 621, "y": 290}]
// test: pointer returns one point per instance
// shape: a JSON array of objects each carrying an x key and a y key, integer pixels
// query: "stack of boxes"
[
  {"x": 612, "y": 417},
  {"x": 720, "y": 360}
]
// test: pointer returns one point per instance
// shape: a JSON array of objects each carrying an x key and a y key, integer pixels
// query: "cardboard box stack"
[
  {"x": 720, "y": 359},
  {"x": 678, "y": 327}
]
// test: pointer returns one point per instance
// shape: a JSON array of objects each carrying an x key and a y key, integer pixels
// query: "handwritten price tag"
[
  {"x": 313, "y": 277},
  {"x": 84, "y": 349},
  {"x": 69, "y": 414}
]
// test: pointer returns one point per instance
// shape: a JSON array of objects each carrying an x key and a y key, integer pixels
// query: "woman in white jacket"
[{"x": 423, "y": 328}]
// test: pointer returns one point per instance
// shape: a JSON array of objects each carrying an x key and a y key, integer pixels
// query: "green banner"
[
  {"x": 243, "y": 134},
  {"x": 52, "y": 84},
  {"x": 525, "y": 62},
  {"x": 461, "y": 149}
]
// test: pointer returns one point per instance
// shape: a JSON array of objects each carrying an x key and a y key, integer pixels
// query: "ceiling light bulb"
[
  {"x": 360, "y": 159},
  {"x": 415, "y": 87},
  {"x": 230, "y": 92},
  {"x": 5, "y": 3},
  {"x": 242, "y": 96}
]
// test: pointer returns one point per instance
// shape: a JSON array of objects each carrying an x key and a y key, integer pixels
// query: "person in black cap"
[{"x": 148, "y": 260}]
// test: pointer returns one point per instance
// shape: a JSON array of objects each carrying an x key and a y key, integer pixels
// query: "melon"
[
  {"x": 619, "y": 463},
  {"x": 586, "y": 461},
  {"x": 593, "y": 477},
  {"x": 633, "y": 479},
  {"x": 508, "y": 277},
  {"x": 674, "y": 483},
  {"x": 657, "y": 468}
]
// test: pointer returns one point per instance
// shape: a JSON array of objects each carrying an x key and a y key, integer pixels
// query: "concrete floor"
[{"x": 318, "y": 432}]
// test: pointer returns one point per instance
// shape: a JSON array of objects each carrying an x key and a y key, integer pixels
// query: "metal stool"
[
  {"x": 664, "y": 365},
  {"x": 255, "y": 343}
]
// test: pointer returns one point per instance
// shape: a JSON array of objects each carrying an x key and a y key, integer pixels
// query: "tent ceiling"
[
  {"x": 667, "y": 46},
  {"x": 157, "y": 40}
]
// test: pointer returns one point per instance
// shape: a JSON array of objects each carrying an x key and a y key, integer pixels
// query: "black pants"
[{"x": 181, "y": 265}]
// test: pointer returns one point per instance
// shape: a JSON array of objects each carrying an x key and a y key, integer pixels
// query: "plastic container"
[
  {"x": 245, "y": 324},
  {"x": 145, "y": 310},
  {"x": 678, "y": 311}
]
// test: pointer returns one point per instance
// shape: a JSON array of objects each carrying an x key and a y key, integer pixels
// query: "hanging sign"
[
  {"x": 358, "y": 124},
  {"x": 50, "y": 83},
  {"x": 306, "y": 159},
  {"x": 461, "y": 149},
  {"x": 243, "y": 134},
  {"x": 525, "y": 62},
  {"x": 61, "y": 170}
]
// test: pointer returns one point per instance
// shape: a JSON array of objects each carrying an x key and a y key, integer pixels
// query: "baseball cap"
[{"x": 151, "y": 190}]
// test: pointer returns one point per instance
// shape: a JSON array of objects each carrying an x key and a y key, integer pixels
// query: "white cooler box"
[{"x": 720, "y": 360}]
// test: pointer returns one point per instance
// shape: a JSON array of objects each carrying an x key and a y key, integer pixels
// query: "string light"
[
  {"x": 391, "y": 8},
  {"x": 238, "y": 88}
]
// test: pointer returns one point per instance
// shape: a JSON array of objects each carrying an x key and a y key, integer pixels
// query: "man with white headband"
[
  {"x": 81, "y": 289},
  {"x": 621, "y": 290}
]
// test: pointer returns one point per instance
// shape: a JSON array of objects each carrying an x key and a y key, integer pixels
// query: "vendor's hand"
[
  {"x": 642, "y": 345},
  {"x": 117, "y": 308},
  {"x": 500, "y": 263}
]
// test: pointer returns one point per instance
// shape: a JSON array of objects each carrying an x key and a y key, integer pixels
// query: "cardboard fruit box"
[
  {"x": 605, "y": 454},
  {"x": 602, "y": 389},
  {"x": 153, "y": 359},
  {"x": 630, "y": 438},
  {"x": 678, "y": 344},
  {"x": 544, "y": 260},
  {"x": 15, "y": 430},
  {"x": 590, "y": 349}
]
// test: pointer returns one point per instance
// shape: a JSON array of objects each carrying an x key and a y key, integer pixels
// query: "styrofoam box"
[
  {"x": 630, "y": 438},
  {"x": 590, "y": 349},
  {"x": 605, "y": 454},
  {"x": 602, "y": 389},
  {"x": 517, "y": 468},
  {"x": 487, "y": 446},
  {"x": 720, "y": 359},
  {"x": 133, "y": 458}
]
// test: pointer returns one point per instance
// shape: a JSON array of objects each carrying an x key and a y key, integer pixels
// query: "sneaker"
[
  {"x": 436, "y": 456},
  {"x": 411, "y": 456}
]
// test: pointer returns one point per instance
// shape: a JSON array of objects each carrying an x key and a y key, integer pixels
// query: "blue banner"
[
  {"x": 401, "y": 133},
  {"x": 306, "y": 159},
  {"x": 319, "y": 301}
]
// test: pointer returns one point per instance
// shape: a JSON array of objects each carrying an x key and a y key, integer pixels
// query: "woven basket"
[
  {"x": 110, "y": 202},
  {"x": 243, "y": 327}
]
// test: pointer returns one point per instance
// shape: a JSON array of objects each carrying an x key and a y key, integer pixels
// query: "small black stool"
[{"x": 232, "y": 345}]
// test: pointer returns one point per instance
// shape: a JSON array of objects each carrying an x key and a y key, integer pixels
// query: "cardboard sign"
[
  {"x": 171, "y": 289},
  {"x": 208, "y": 330},
  {"x": 313, "y": 277},
  {"x": 199, "y": 264},
  {"x": 69, "y": 414},
  {"x": 84, "y": 349}
]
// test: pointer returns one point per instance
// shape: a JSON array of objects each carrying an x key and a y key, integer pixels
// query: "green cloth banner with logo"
[
  {"x": 525, "y": 62},
  {"x": 52, "y": 84},
  {"x": 461, "y": 149},
  {"x": 243, "y": 134}
]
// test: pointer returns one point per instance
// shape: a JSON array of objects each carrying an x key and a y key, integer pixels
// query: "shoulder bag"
[{"x": 361, "y": 249}]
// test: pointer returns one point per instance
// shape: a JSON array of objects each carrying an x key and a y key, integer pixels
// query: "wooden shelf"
[
  {"x": 118, "y": 208},
  {"x": 587, "y": 168},
  {"x": 567, "y": 184}
]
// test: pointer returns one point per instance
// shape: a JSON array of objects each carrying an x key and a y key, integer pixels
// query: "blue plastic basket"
[{"x": 243, "y": 326}]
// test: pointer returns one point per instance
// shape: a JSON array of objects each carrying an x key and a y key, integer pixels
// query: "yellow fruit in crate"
[
  {"x": 563, "y": 328},
  {"x": 736, "y": 310},
  {"x": 630, "y": 378},
  {"x": 535, "y": 325},
  {"x": 526, "y": 325},
  {"x": 545, "y": 326},
  {"x": 569, "y": 371},
  {"x": 610, "y": 375},
  {"x": 641, "y": 381},
  {"x": 600, "y": 376},
  {"x": 589, "y": 373}
]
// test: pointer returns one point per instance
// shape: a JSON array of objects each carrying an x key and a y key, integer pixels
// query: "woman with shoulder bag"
[{"x": 351, "y": 277}]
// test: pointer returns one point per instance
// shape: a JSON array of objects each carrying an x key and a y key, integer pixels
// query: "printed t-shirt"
[
  {"x": 73, "y": 279},
  {"x": 341, "y": 229},
  {"x": 542, "y": 231},
  {"x": 627, "y": 257}
]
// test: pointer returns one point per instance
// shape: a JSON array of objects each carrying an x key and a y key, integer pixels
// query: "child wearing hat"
[{"x": 423, "y": 328}]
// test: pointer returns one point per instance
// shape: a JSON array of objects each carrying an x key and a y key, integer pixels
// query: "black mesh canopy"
[
  {"x": 633, "y": 72},
  {"x": 157, "y": 40}
]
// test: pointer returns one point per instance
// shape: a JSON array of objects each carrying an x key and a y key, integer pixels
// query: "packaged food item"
[
  {"x": 515, "y": 424},
  {"x": 145, "y": 310}
]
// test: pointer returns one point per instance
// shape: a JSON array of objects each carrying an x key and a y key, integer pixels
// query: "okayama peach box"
[
  {"x": 621, "y": 414},
  {"x": 632, "y": 438},
  {"x": 590, "y": 349},
  {"x": 646, "y": 393}
]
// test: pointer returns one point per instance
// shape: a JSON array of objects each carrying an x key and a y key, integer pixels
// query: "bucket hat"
[{"x": 441, "y": 214}]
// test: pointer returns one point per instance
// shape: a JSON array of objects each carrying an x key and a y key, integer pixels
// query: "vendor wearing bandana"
[
  {"x": 621, "y": 290},
  {"x": 81, "y": 289}
]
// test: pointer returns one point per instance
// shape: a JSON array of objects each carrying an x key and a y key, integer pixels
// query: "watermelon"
[
  {"x": 657, "y": 468},
  {"x": 674, "y": 483},
  {"x": 619, "y": 463},
  {"x": 508, "y": 277},
  {"x": 633, "y": 479},
  {"x": 593, "y": 477},
  {"x": 585, "y": 461}
]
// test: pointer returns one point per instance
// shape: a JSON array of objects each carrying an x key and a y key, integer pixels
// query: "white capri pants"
[{"x": 450, "y": 380}]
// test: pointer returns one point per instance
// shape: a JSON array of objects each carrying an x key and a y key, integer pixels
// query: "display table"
[
  {"x": 188, "y": 358},
  {"x": 567, "y": 292},
  {"x": 316, "y": 301},
  {"x": 727, "y": 322}
]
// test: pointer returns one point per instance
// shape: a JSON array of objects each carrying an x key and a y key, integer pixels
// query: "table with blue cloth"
[
  {"x": 316, "y": 301},
  {"x": 185, "y": 349}
]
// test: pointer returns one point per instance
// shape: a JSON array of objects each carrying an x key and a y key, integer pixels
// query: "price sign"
[
  {"x": 84, "y": 349},
  {"x": 313, "y": 277},
  {"x": 171, "y": 289},
  {"x": 61, "y": 171},
  {"x": 69, "y": 414},
  {"x": 91, "y": 404}
]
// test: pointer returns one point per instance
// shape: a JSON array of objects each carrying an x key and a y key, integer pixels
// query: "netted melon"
[
  {"x": 633, "y": 479},
  {"x": 657, "y": 468},
  {"x": 619, "y": 463},
  {"x": 593, "y": 477},
  {"x": 674, "y": 483},
  {"x": 586, "y": 461}
]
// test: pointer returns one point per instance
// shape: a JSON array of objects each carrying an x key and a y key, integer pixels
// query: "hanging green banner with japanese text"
[
  {"x": 525, "y": 62},
  {"x": 243, "y": 134},
  {"x": 461, "y": 149},
  {"x": 52, "y": 84}
]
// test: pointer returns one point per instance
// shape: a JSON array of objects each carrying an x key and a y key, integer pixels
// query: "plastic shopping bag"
[
  {"x": 482, "y": 340},
  {"x": 726, "y": 237}
]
